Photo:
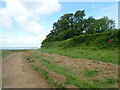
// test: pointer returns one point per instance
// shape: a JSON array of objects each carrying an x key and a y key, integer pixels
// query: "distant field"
[{"x": 5, "y": 53}]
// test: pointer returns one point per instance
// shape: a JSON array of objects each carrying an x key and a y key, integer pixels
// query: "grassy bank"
[
  {"x": 91, "y": 53},
  {"x": 98, "y": 46}
]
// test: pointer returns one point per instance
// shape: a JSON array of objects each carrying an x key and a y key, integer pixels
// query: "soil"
[{"x": 18, "y": 73}]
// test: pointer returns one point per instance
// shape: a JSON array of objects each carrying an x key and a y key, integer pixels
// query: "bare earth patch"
[{"x": 18, "y": 73}]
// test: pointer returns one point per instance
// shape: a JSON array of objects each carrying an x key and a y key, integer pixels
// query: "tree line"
[{"x": 75, "y": 24}]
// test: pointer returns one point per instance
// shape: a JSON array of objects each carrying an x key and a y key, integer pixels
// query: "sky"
[{"x": 26, "y": 24}]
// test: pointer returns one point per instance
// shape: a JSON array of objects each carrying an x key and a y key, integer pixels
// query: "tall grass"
[{"x": 91, "y": 53}]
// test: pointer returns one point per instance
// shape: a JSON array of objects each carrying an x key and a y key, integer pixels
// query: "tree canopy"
[{"x": 74, "y": 24}]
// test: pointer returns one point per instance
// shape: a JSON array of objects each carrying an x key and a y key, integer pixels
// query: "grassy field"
[
  {"x": 76, "y": 72},
  {"x": 91, "y": 53},
  {"x": 5, "y": 53},
  {"x": 83, "y": 76}
]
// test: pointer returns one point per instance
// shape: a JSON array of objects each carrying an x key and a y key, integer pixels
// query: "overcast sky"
[{"x": 26, "y": 24}]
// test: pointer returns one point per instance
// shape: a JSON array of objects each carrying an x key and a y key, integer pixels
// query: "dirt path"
[{"x": 17, "y": 73}]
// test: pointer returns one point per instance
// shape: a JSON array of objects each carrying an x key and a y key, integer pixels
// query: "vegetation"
[
  {"x": 99, "y": 40},
  {"x": 81, "y": 79},
  {"x": 70, "y": 25},
  {"x": 5, "y": 53},
  {"x": 92, "y": 46},
  {"x": 45, "y": 75},
  {"x": 87, "y": 38},
  {"x": 72, "y": 79},
  {"x": 91, "y": 53},
  {"x": 78, "y": 37},
  {"x": 90, "y": 73}
]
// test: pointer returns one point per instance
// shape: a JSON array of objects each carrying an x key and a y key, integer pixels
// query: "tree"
[
  {"x": 105, "y": 24},
  {"x": 70, "y": 25},
  {"x": 89, "y": 25}
]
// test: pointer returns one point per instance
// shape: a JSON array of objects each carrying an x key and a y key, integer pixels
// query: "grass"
[
  {"x": 46, "y": 76},
  {"x": 90, "y": 73},
  {"x": 88, "y": 46},
  {"x": 5, "y": 53},
  {"x": 72, "y": 78},
  {"x": 91, "y": 47},
  {"x": 91, "y": 53},
  {"x": 109, "y": 81}
]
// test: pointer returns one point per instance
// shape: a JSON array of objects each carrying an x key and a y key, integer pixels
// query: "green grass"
[
  {"x": 46, "y": 76},
  {"x": 82, "y": 80},
  {"x": 91, "y": 53},
  {"x": 71, "y": 78},
  {"x": 107, "y": 82},
  {"x": 5, "y": 53},
  {"x": 90, "y": 73},
  {"x": 111, "y": 80},
  {"x": 74, "y": 79}
]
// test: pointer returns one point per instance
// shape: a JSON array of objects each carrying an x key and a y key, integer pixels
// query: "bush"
[{"x": 99, "y": 40}]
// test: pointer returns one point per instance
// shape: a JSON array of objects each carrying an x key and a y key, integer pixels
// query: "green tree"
[{"x": 70, "y": 25}]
